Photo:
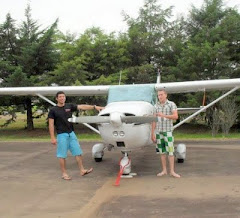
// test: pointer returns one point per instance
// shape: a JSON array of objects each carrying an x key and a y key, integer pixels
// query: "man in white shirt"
[{"x": 167, "y": 112}]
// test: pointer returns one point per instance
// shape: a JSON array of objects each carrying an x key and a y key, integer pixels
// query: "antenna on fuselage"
[
  {"x": 159, "y": 76},
  {"x": 120, "y": 78},
  {"x": 158, "y": 80}
]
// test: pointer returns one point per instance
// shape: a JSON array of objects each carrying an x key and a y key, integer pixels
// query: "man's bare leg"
[
  {"x": 171, "y": 163},
  {"x": 62, "y": 162},
  {"x": 164, "y": 165},
  {"x": 80, "y": 165}
]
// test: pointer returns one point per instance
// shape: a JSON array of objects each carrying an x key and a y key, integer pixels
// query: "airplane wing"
[
  {"x": 173, "y": 87},
  {"x": 52, "y": 90},
  {"x": 196, "y": 86}
]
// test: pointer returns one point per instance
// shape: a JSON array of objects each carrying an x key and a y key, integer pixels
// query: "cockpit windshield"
[{"x": 139, "y": 92}]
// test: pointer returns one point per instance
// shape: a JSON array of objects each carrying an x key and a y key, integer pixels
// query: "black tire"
[
  {"x": 97, "y": 159},
  {"x": 180, "y": 160}
]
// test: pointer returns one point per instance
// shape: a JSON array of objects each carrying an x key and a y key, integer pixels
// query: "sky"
[{"x": 75, "y": 16}]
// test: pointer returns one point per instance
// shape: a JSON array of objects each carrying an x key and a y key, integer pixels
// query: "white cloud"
[{"x": 78, "y": 15}]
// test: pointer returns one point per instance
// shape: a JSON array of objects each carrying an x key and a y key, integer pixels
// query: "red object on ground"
[{"x": 117, "y": 182}]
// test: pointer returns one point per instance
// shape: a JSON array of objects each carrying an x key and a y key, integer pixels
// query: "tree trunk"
[{"x": 29, "y": 114}]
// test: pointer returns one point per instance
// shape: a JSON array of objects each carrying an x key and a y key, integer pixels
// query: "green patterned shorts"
[{"x": 165, "y": 143}]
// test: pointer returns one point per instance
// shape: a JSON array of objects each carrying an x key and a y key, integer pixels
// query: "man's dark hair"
[{"x": 59, "y": 93}]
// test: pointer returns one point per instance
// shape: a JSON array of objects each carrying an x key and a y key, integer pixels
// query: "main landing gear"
[
  {"x": 98, "y": 151},
  {"x": 180, "y": 152}
]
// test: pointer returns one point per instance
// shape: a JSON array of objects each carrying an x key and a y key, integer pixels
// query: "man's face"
[
  {"x": 61, "y": 98},
  {"x": 162, "y": 96}
]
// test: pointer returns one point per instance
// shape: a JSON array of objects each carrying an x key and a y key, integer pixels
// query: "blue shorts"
[{"x": 65, "y": 142}]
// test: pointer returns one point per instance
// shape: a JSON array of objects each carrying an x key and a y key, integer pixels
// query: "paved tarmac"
[{"x": 31, "y": 184}]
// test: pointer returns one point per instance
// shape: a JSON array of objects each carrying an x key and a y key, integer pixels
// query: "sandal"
[
  {"x": 87, "y": 172},
  {"x": 66, "y": 177}
]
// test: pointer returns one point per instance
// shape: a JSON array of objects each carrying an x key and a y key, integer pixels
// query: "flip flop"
[
  {"x": 161, "y": 174},
  {"x": 87, "y": 172},
  {"x": 175, "y": 175},
  {"x": 66, "y": 177}
]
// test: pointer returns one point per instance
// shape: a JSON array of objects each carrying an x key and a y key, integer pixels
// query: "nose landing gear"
[{"x": 125, "y": 168}]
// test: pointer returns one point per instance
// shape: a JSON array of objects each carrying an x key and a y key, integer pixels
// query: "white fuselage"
[{"x": 126, "y": 135}]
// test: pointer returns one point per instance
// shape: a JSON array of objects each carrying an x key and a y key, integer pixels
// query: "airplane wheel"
[
  {"x": 180, "y": 160},
  {"x": 98, "y": 159}
]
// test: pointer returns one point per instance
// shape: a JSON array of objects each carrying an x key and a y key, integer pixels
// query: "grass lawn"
[{"x": 16, "y": 131}]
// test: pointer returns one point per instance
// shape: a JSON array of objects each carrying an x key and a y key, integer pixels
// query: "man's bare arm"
[
  {"x": 89, "y": 107},
  {"x": 51, "y": 131},
  {"x": 173, "y": 116},
  {"x": 153, "y": 132}
]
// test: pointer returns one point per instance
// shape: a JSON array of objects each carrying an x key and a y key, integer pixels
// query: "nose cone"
[{"x": 115, "y": 119}]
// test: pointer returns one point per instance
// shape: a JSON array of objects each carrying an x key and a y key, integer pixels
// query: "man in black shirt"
[{"x": 66, "y": 138}]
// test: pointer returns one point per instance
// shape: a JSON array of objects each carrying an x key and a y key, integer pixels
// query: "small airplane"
[{"x": 125, "y": 122}]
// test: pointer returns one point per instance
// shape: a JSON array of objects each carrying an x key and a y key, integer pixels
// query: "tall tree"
[
  {"x": 147, "y": 33},
  {"x": 151, "y": 36},
  {"x": 8, "y": 48},
  {"x": 93, "y": 55},
  {"x": 213, "y": 47},
  {"x": 26, "y": 51}
]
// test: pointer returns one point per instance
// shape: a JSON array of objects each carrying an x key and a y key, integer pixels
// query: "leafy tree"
[
  {"x": 26, "y": 55},
  {"x": 228, "y": 115},
  {"x": 171, "y": 50},
  {"x": 8, "y": 50},
  {"x": 154, "y": 40},
  {"x": 17, "y": 78},
  {"x": 209, "y": 53},
  {"x": 93, "y": 55},
  {"x": 223, "y": 115},
  {"x": 204, "y": 61},
  {"x": 147, "y": 33},
  {"x": 141, "y": 74}
]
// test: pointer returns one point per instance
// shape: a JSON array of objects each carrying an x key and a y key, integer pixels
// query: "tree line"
[{"x": 204, "y": 45}]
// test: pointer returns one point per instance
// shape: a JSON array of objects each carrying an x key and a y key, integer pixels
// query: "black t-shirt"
[{"x": 61, "y": 115}]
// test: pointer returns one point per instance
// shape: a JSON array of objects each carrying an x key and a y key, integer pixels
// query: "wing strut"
[
  {"x": 46, "y": 99},
  {"x": 54, "y": 104},
  {"x": 205, "y": 107},
  {"x": 204, "y": 98}
]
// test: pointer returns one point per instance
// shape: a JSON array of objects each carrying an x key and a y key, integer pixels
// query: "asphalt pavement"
[{"x": 31, "y": 184}]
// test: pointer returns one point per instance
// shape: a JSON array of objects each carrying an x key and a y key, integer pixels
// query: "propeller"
[
  {"x": 139, "y": 119},
  {"x": 90, "y": 119},
  {"x": 107, "y": 119}
]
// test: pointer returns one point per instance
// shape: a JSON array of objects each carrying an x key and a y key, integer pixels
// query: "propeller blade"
[
  {"x": 104, "y": 119},
  {"x": 90, "y": 119},
  {"x": 139, "y": 119}
]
